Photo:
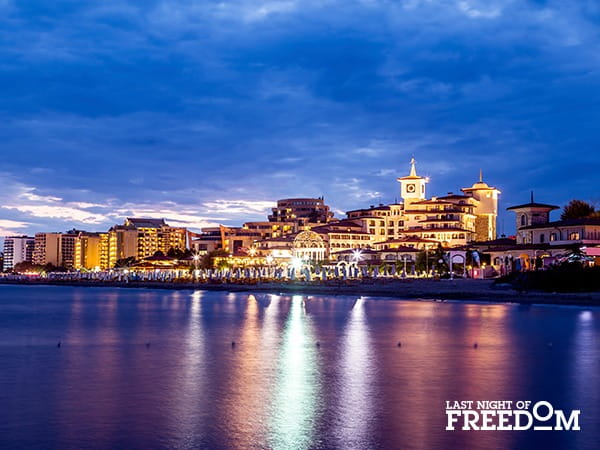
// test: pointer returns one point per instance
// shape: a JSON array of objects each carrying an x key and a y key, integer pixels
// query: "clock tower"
[{"x": 412, "y": 187}]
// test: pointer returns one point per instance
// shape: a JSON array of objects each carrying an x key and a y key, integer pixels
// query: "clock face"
[{"x": 411, "y": 188}]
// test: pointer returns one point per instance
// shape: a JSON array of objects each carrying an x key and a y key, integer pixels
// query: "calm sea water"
[{"x": 157, "y": 369}]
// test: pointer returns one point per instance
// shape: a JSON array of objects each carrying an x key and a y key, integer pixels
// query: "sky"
[{"x": 206, "y": 112}]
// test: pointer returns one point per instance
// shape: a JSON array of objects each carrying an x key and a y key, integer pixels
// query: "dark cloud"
[{"x": 185, "y": 104}]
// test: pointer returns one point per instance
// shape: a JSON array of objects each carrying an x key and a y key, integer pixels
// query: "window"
[
  {"x": 552, "y": 236},
  {"x": 523, "y": 220},
  {"x": 542, "y": 238},
  {"x": 574, "y": 236}
]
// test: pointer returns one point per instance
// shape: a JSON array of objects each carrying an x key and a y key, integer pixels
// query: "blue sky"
[{"x": 206, "y": 112}]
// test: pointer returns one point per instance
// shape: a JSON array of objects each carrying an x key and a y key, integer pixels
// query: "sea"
[{"x": 84, "y": 367}]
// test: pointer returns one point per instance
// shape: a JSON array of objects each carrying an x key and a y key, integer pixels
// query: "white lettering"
[
  {"x": 518, "y": 415},
  {"x": 573, "y": 418},
  {"x": 503, "y": 417},
  {"x": 452, "y": 419},
  {"x": 487, "y": 417},
  {"x": 470, "y": 424}
]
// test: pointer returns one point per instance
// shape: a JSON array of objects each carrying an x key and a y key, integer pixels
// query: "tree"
[
  {"x": 27, "y": 267},
  {"x": 577, "y": 209},
  {"x": 126, "y": 262},
  {"x": 178, "y": 253},
  {"x": 209, "y": 259}
]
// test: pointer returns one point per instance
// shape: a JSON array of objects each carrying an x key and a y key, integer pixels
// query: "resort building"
[
  {"x": 67, "y": 248},
  {"x": 301, "y": 211},
  {"x": 534, "y": 227},
  {"x": 140, "y": 238},
  {"x": 342, "y": 235},
  {"x": 290, "y": 216},
  {"x": 529, "y": 215},
  {"x": 17, "y": 249},
  {"x": 87, "y": 251},
  {"x": 47, "y": 249},
  {"x": 450, "y": 220}
]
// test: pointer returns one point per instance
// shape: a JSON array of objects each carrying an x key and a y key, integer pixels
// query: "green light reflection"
[{"x": 295, "y": 407}]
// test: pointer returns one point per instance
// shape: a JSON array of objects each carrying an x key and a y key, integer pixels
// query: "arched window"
[{"x": 523, "y": 219}]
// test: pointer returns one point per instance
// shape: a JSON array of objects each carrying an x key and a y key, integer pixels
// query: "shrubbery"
[{"x": 568, "y": 277}]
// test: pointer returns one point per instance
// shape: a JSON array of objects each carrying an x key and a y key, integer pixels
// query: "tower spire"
[
  {"x": 413, "y": 170},
  {"x": 531, "y": 196},
  {"x": 480, "y": 176}
]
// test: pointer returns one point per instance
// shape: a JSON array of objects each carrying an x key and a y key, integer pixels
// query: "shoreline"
[{"x": 466, "y": 290}]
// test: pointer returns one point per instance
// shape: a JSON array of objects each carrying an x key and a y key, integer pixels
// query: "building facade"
[
  {"x": 17, "y": 249},
  {"x": 47, "y": 249},
  {"x": 450, "y": 220},
  {"x": 301, "y": 211},
  {"x": 87, "y": 251}
]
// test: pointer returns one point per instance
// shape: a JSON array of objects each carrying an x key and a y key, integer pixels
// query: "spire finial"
[
  {"x": 413, "y": 170},
  {"x": 480, "y": 176},
  {"x": 531, "y": 196}
]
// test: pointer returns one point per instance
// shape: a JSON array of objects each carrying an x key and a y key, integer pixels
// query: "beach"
[{"x": 426, "y": 289}]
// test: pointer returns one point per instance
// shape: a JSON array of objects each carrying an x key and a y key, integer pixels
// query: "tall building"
[
  {"x": 530, "y": 215},
  {"x": 486, "y": 210},
  {"x": 412, "y": 186},
  {"x": 451, "y": 220},
  {"x": 47, "y": 249},
  {"x": 87, "y": 251},
  {"x": 301, "y": 211},
  {"x": 17, "y": 249},
  {"x": 67, "y": 248},
  {"x": 139, "y": 238}
]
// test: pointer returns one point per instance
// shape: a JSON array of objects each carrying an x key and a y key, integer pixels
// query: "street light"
[
  {"x": 357, "y": 255},
  {"x": 196, "y": 258}
]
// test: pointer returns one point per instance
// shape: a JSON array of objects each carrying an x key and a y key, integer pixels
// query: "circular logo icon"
[{"x": 410, "y": 188}]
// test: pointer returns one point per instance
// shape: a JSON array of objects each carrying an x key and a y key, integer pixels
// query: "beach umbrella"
[{"x": 307, "y": 274}]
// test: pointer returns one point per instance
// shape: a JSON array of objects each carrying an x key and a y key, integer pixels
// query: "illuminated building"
[
  {"x": 344, "y": 234},
  {"x": 140, "y": 238},
  {"x": 450, "y": 220},
  {"x": 47, "y": 249},
  {"x": 207, "y": 241},
  {"x": 87, "y": 251},
  {"x": 289, "y": 216},
  {"x": 530, "y": 215},
  {"x": 17, "y": 249},
  {"x": 67, "y": 248},
  {"x": 301, "y": 211},
  {"x": 308, "y": 246},
  {"x": 57, "y": 249},
  {"x": 486, "y": 209},
  {"x": 534, "y": 227}
]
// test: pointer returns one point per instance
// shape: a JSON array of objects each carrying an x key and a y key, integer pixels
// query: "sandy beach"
[{"x": 459, "y": 289}]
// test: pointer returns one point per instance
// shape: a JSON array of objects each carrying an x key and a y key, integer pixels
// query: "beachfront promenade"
[{"x": 382, "y": 286}]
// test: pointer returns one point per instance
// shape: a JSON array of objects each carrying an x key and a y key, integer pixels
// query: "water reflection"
[
  {"x": 358, "y": 374},
  {"x": 189, "y": 390},
  {"x": 276, "y": 388},
  {"x": 295, "y": 407}
]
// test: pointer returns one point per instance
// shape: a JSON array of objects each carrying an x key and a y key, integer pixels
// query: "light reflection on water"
[
  {"x": 293, "y": 414},
  {"x": 143, "y": 368}
]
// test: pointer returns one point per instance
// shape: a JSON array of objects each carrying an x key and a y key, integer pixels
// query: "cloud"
[
  {"x": 11, "y": 227},
  {"x": 204, "y": 110},
  {"x": 478, "y": 11},
  {"x": 238, "y": 206},
  {"x": 66, "y": 213}
]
